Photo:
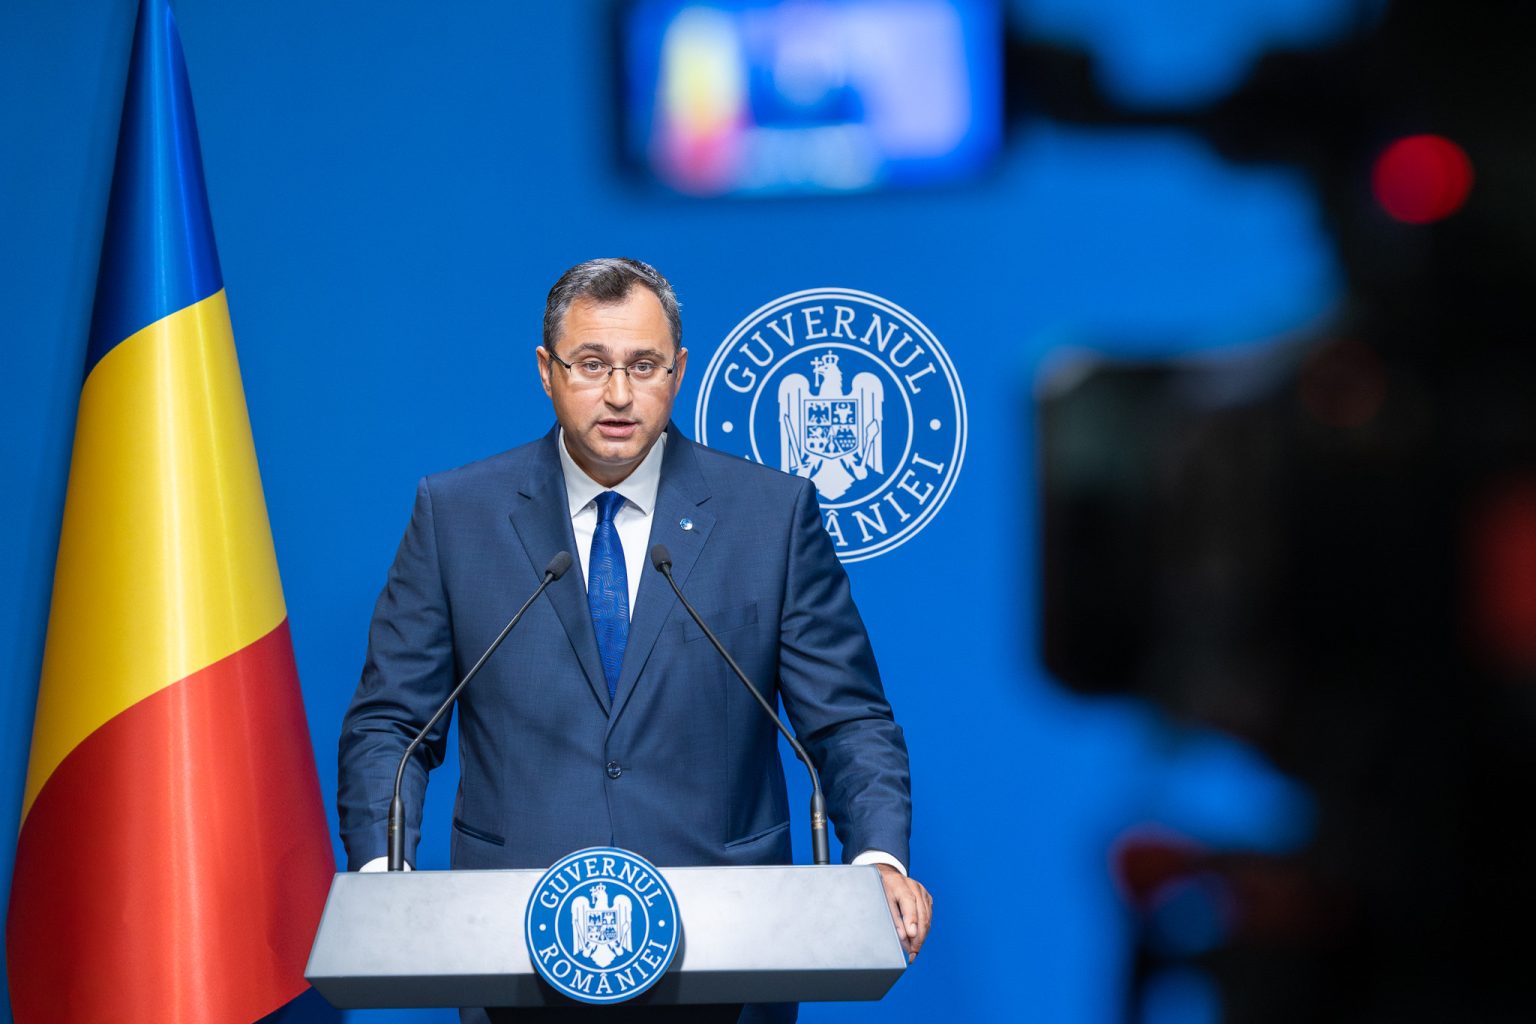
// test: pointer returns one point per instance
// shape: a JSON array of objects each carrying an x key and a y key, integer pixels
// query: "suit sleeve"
[
  {"x": 831, "y": 689},
  {"x": 407, "y": 673}
]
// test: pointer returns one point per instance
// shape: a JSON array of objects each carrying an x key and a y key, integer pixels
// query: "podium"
[{"x": 749, "y": 935}]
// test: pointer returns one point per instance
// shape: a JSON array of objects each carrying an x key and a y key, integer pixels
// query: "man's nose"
[{"x": 617, "y": 389}]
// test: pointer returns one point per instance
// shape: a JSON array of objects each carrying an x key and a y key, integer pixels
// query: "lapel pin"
[{"x": 685, "y": 523}]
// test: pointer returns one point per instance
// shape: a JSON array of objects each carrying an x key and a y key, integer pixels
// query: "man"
[{"x": 606, "y": 718}]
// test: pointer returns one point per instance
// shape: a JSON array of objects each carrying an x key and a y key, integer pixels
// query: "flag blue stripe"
[{"x": 157, "y": 255}]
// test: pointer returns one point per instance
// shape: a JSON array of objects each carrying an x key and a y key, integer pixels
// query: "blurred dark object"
[
  {"x": 1330, "y": 549},
  {"x": 1501, "y": 557},
  {"x": 1225, "y": 915}
]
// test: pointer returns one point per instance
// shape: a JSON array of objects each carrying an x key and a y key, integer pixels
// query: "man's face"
[{"x": 611, "y": 426}]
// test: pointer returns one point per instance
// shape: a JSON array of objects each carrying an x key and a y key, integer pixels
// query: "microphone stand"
[
  {"x": 556, "y": 568},
  {"x": 820, "y": 848}
]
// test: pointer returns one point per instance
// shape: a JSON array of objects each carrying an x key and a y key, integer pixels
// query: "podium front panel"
[{"x": 749, "y": 934}]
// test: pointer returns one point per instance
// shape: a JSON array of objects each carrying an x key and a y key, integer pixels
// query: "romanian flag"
[{"x": 174, "y": 855}]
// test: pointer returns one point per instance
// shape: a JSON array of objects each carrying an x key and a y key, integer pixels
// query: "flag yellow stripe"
[{"x": 165, "y": 558}]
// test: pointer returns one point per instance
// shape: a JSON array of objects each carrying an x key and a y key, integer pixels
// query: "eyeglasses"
[{"x": 594, "y": 373}]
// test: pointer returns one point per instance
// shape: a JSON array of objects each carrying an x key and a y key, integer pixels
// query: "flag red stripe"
[{"x": 174, "y": 867}]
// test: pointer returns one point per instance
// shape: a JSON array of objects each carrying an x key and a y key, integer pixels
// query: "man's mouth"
[{"x": 617, "y": 430}]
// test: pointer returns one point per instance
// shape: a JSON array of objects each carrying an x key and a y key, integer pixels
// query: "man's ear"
[
  {"x": 682, "y": 364},
  {"x": 544, "y": 368}
]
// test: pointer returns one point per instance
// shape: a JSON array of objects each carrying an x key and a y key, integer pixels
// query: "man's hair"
[{"x": 605, "y": 281}]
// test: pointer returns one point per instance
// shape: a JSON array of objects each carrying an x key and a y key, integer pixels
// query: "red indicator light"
[{"x": 1422, "y": 178}]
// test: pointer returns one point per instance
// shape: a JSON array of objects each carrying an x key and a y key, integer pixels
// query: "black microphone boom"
[
  {"x": 820, "y": 849},
  {"x": 553, "y": 571}
]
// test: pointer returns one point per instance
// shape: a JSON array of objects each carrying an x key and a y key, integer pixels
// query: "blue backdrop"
[{"x": 395, "y": 185}]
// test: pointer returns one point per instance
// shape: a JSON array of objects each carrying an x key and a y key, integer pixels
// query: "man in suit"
[{"x": 606, "y": 718}]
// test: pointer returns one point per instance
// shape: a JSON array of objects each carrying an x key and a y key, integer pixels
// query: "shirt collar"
[{"x": 639, "y": 488}]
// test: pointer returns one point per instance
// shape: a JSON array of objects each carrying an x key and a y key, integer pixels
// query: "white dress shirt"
[{"x": 633, "y": 520}]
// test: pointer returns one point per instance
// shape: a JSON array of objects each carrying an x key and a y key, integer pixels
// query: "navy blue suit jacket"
[{"x": 683, "y": 767}]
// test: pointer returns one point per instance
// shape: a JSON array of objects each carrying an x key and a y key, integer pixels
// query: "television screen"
[{"x": 811, "y": 96}]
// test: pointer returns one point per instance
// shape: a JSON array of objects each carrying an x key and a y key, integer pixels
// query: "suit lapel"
[
  {"x": 542, "y": 517},
  {"x": 680, "y": 499}
]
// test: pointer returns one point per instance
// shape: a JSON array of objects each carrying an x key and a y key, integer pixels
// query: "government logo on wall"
[
  {"x": 602, "y": 925},
  {"x": 852, "y": 392}
]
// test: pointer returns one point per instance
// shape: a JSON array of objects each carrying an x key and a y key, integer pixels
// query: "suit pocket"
[
  {"x": 766, "y": 837},
  {"x": 719, "y": 621},
  {"x": 475, "y": 833}
]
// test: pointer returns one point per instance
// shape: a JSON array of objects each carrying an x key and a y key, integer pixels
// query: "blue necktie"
[{"x": 608, "y": 589}]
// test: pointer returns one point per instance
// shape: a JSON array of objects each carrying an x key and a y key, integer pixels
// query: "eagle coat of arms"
[
  {"x": 600, "y": 931},
  {"x": 832, "y": 436}
]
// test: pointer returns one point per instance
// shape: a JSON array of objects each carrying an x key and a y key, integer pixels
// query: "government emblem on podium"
[
  {"x": 601, "y": 932},
  {"x": 851, "y": 392},
  {"x": 602, "y": 925}
]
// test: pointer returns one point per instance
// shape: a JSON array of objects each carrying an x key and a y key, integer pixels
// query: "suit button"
[{"x": 615, "y": 769}]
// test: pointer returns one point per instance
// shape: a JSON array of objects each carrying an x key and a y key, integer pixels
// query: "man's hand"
[{"x": 911, "y": 908}]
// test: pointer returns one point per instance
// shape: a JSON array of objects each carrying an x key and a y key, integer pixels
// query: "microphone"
[
  {"x": 553, "y": 571},
  {"x": 820, "y": 851}
]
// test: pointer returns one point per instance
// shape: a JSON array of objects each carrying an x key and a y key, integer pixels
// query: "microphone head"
[
  {"x": 557, "y": 565},
  {"x": 660, "y": 558}
]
